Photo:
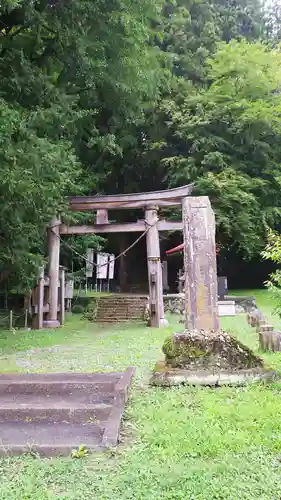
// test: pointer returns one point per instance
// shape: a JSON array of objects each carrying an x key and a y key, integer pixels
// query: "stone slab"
[
  {"x": 208, "y": 378},
  {"x": 226, "y": 308}
]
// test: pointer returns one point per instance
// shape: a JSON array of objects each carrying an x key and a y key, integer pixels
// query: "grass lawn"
[{"x": 178, "y": 444}]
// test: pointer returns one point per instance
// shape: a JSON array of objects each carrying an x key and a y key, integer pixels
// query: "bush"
[
  {"x": 91, "y": 311},
  {"x": 273, "y": 252},
  {"x": 77, "y": 309}
]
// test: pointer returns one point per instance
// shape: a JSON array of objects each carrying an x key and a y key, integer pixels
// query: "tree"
[
  {"x": 74, "y": 76},
  {"x": 190, "y": 32},
  {"x": 226, "y": 139},
  {"x": 35, "y": 175}
]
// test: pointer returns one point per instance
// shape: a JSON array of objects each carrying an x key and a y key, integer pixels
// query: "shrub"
[
  {"x": 78, "y": 309},
  {"x": 273, "y": 252}
]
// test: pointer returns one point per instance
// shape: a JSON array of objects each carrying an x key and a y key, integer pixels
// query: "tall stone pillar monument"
[{"x": 201, "y": 308}]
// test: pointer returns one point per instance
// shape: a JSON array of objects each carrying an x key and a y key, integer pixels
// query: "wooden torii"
[{"x": 150, "y": 202}]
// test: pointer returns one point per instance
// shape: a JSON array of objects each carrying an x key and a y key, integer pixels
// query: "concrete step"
[
  {"x": 58, "y": 383},
  {"x": 118, "y": 309},
  {"x": 115, "y": 298},
  {"x": 120, "y": 318},
  {"x": 48, "y": 439},
  {"x": 121, "y": 306},
  {"x": 51, "y": 414},
  {"x": 112, "y": 321},
  {"x": 121, "y": 309},
  {"x": 120, "y": 314},
  {"x": 73, "y": 409}
]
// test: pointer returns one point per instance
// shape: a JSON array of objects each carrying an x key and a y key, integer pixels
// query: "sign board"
[
  {"x": 222, "y": 286},
  {"x": 164, "y": 266},
  {"x": 111, "y": 266},
  {"x": 89, "y": 262},
  {"x": 68, "y": 289},
  {"x": 102, "y": 265}
]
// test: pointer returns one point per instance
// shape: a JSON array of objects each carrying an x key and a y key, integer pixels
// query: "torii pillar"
[
  {"x": 201, "y": 307},
  {"x": 156, "y": 303},
  {"x": 53, "y": 272}
]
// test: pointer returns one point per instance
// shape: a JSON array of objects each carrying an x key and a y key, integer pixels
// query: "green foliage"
[
  {"x": 272, "y": 252},
  {"x": 90, "y": 312},
  {"x": 227, "y": 136},
  {"x": 77, "y": 309},
  {"x": 36, "y": 173},
  {"x": 82, "y": 452}
]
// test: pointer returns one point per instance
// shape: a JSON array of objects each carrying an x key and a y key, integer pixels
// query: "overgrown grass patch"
[{"x": 178, "y": 444}]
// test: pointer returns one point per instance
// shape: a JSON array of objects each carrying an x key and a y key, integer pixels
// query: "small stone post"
[
  {"x": 201, "y": 309},
  {"x": 156, "y": 303}
]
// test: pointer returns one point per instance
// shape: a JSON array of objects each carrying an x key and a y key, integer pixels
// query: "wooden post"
[
  {"x": 11, "y": 320},
  {"x": 156, "y": 303},
  {"x": 201, "y": 309},
  {"x": 62, "y": 297},
  {"x": 54, "y": 257},
  {"x": 40, "y": 299},
  {"x": 25, "y": 319},
  {"x": 123, "y": 263},
  {"x": 38, "y": 302}
]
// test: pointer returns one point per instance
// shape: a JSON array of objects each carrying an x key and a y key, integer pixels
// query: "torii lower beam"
[{"x": 129, "y": 227}]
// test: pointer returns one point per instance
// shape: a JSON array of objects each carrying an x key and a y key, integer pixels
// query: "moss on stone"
[
  {"x": 216, "y": 350},
  {"x": 186, "y": 350}
]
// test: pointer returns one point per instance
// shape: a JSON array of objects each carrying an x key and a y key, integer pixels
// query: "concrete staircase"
[
  {"x": 121, "y": 308},
  {"x": 52, "y": 414}
]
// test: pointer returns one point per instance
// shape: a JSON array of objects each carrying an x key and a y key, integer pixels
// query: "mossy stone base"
[
  {"x": 207, "y": 358},
  {"x": 208, "y": 350},
  {"x": 167, "y": 377}
]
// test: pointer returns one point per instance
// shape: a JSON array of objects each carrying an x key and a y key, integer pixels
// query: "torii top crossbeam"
[{"x": 165, "y": 198}]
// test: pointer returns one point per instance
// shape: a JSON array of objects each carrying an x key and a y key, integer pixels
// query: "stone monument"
[{"x": 202, "y": 353}]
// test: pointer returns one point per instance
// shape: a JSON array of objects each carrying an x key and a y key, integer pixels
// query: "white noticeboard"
[
  {"x": 111, "y": 266},
  {"x": 68, "y": 289},
  {"x": 89, "y": 263},
  {"x": 102, "y": 265}
]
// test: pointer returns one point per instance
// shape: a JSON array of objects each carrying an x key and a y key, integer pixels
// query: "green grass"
[{"x": 178, "y": 444}]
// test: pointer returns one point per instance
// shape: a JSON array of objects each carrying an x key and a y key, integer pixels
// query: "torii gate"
[{"x": 197, "y": 225}]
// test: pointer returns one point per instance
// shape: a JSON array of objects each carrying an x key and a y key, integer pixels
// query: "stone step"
[
  {"x": 112, "y": 314},
  {"x": 120, "y": 313},
  {"x": 93, "y": 377},
  {"x": 112, "y": 321},
  {"x": 55, "y": 414},
  {"x": 48, "y": 439},
  {"x": 122, "y": 307},
  {"x": 76, "y": 399},
  {"x": 80, "y": 397},
  {"x": 51, "y": 414},
  {"x": 123, "y": 303},
  {"x": 58, "y": 383},
  {"x": 115, "y": 298}
]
